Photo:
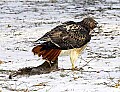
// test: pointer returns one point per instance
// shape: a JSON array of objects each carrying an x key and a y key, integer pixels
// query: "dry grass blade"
[{"x": 41, "y": 84}]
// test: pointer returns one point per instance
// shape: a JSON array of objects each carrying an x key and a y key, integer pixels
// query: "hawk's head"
[{"x": 89, "y": 23}]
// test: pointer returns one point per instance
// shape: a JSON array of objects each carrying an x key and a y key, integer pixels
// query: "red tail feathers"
[{"x": 50, "y": 54}]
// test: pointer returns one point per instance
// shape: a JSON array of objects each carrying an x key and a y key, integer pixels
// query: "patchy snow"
[{"x": 22, "y": 22}]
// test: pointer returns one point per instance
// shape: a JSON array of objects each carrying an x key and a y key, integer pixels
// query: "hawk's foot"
[{"x": 77, "y": 69}]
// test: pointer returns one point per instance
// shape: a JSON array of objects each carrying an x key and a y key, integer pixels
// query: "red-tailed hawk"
[{"x": 69, "y": 36}]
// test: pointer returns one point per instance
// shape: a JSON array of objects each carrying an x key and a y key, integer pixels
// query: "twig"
[{"x": 87, "y": 62}]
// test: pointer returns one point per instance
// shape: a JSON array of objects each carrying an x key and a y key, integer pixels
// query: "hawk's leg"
[
  {"x": 73, "y": 57},
  {"x": 74, "y": 54}
]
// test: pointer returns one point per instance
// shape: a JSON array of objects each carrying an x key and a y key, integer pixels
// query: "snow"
[{"x": 23, "y": 22}]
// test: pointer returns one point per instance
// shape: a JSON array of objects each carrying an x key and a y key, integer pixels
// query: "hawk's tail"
[{"x": 49, "y": 54}]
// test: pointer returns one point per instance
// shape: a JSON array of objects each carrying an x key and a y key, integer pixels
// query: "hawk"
[{"x": 69, "y": 37}]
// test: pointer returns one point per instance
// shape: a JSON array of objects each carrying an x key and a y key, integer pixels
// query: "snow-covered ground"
[{"x": 22, "y": 22}]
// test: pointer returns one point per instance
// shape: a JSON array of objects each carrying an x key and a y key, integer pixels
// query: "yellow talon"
[{"x": 73, "y": 67}]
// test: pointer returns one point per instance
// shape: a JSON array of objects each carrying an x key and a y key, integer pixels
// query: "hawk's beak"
[{"x": 96, "y": 26}]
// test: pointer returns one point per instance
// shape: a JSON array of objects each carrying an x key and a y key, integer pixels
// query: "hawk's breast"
[{"x": 77, "y": 50}]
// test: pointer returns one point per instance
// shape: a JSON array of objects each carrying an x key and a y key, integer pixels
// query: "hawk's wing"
[{"x": 69, "y": 35}]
